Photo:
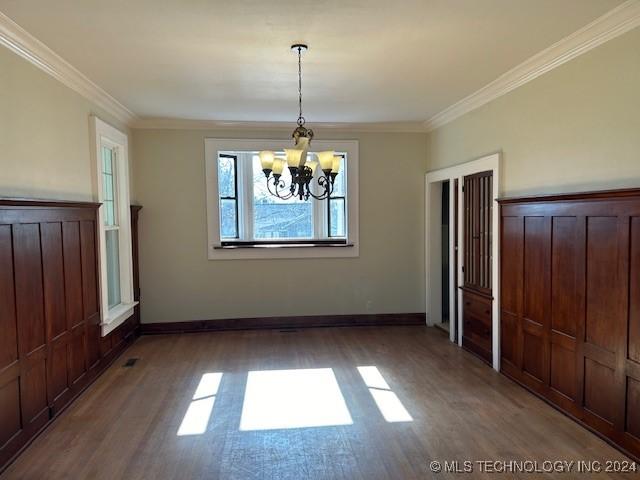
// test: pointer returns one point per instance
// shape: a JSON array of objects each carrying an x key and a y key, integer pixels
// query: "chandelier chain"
[{"x": 300, "y": 117}]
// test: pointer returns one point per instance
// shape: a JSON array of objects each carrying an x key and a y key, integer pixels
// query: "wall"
[
  {"x": 179, "y": 283},
  {"x": 575, "y": 128},
  {"x": 44, "y": 135}
]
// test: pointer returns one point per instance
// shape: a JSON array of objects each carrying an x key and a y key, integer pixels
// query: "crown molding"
[
  {"x": 612, "y": 24},
  {"x": 25, "y": 45},
  {"x": 148, "y": 123}
]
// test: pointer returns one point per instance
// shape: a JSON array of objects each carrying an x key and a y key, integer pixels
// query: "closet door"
[{"x": 476, "y": 293}]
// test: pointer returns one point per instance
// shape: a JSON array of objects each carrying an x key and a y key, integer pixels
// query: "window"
[
  {"x": 337, "y": 206},
  {"x": 116, "y": 270},
  {"x": 228, "y": 190},
  {"x": 243, "y": 213}
]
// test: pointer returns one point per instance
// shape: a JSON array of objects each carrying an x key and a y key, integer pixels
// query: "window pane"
[
  {"x": 109, "y": 187},
  {"x": 107, "y": 160},
  {"x": 228, "y": 223},
  {"x": 113, "y": 268},
  {"x": 274, "y": 218},
  {"x": 340, "y": 181},
  {"x": 337, "y": 217},
  {"x": 107, "y": 184},
  {"x": 109, "y": 213},
  {"x": 226, "y": 177}
]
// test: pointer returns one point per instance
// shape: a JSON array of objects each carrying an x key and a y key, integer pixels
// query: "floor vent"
[{"x": 130, "y": 363}]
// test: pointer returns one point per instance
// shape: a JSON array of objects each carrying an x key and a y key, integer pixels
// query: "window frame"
[
  {"x": 104, "y": 135},
  {"x": 327, "y": 210},
  {"x": 235, "y": 198},
  {"x": 219, "y": 249}
]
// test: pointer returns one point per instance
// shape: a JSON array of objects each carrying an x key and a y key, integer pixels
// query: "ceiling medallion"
[{"x": 298, "y": 159}]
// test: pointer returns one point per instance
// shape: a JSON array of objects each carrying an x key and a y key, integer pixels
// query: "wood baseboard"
[{"x": 265, "y": 323}]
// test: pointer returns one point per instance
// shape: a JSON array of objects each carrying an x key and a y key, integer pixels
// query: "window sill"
[
  {"x": 116, "y": 317},
  {"x": 272, "y": 250},
  {"x": 286, "y": 244}
]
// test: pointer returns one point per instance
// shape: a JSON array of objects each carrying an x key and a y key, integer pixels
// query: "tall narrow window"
[
  {"x": 228, "y": 189},
  {"x": 337, "y": 205},
  {"x": 112, "y": 240},
  {"x": 116, "y": 268}
]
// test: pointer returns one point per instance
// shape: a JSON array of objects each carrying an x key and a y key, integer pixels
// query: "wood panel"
[
  {"x": 511, "y": 269},
  {"x": 565, "y": 305},
  {"x": 27, "y": 258},
  {"x": 575, "y": 339},
  {"x": 10, "y": 419},
  {"x": 55, "y": 313},
  {"x": 90, "y": 295},
  {"x": 633, "y": 413},
  {"x": 76, "y": 319},
  {"x": 602, "y": 280},
  {"x": 634, "y": 292},
  {"x": 632, "y": 364},
  {"x": 49, "y": 316}
]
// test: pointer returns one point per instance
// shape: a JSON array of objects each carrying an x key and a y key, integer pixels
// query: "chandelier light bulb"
[
  {"x": 278, "y": 166},
  {"x": 266, "y": 159}
]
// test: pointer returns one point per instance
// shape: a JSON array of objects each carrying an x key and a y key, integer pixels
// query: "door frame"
[{"x": 433, "y": 248}]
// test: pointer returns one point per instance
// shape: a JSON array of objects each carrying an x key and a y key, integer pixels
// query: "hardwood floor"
[{"x": 126, "y": 425}]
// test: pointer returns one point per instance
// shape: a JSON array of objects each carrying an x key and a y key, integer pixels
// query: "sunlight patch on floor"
[
  {"x": 198, "y": 414},
  {"x": 279, "y": 399},
  {"x": 387, "y": 401}
]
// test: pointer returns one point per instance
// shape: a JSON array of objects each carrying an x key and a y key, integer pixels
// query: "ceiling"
[{"x": 369, "y": 60}]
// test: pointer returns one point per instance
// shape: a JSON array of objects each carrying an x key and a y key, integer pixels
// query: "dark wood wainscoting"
[
  {"x": 570, "y": 306},
  {"x": 50, "y": 342}
]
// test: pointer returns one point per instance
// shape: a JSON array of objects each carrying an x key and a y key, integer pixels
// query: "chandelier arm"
[
  {"x": 326, "y": 184},
  {"x": 278, "y": 183},
  {"x": 269, "y": 187}
]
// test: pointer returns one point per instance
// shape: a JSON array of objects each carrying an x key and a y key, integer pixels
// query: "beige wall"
[
  {"x": 44, "y": 135},
  {"x": 574, "y": 128},
  {"x": 179, "y": 283}
]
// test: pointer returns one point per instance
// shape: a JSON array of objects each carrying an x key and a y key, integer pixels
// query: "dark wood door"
[{"x": 476, "y": 292}]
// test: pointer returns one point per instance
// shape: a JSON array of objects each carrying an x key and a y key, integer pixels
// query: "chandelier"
[{"x": 302, "y": 169}]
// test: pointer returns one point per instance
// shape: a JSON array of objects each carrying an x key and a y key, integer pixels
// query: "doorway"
[
  {"x": 444, "y": 293},
  {"x": 445, "y": 246}
]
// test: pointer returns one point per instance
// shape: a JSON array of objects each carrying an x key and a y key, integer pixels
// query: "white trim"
[
  {"x": 612, "y": 24},
  {"x": 25, "y": 45},
  {"x": 117, "y": 315},
  {"x": 190, "y": 124},
  {"x": 215, "y": 145},
  {"x": 490, "y": 162},
  {"x": 105, "y": 134}
]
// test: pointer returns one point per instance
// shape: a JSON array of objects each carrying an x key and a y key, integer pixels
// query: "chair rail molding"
[
  {"x": 25, "y": 45},
  {"x": 612, "y": 24}
]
